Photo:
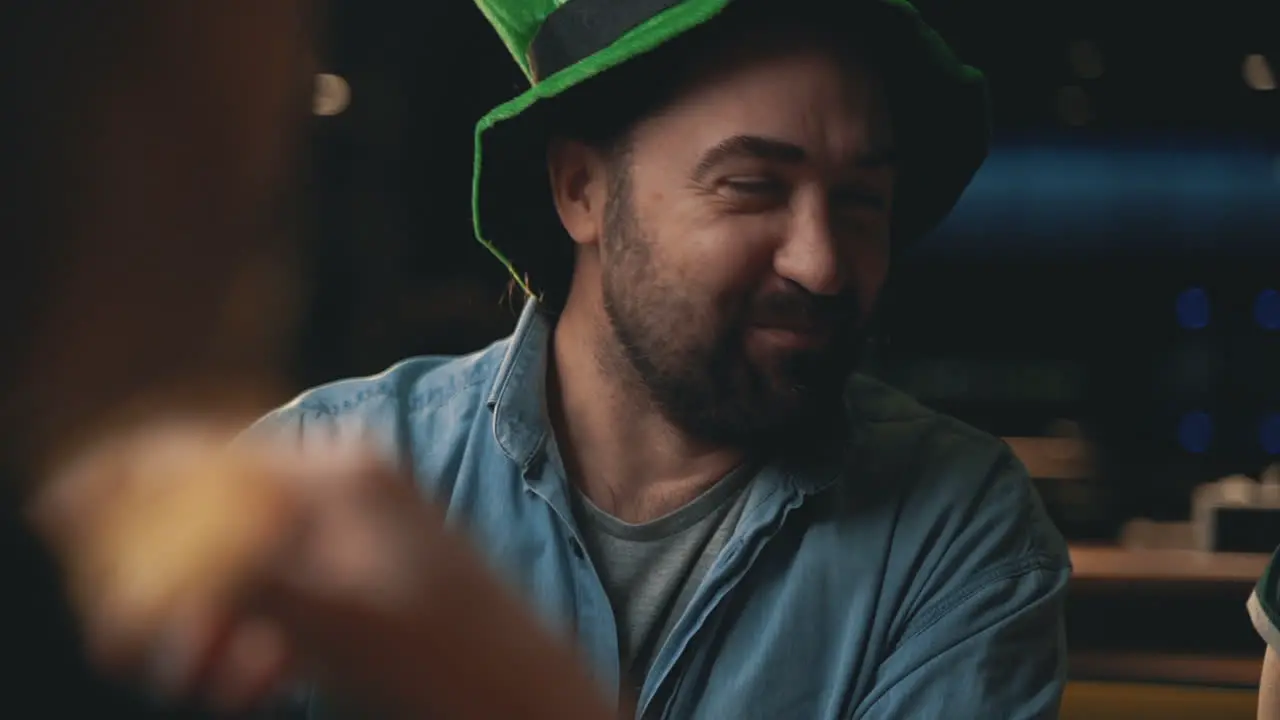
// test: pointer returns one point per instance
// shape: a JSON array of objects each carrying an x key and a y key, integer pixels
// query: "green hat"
[{"x": 938, "y": 104}]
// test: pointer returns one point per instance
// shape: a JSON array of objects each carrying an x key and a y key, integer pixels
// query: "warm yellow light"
[
  {"x": 332, "y": 95},
  {"x": 1258, "y": 74}
]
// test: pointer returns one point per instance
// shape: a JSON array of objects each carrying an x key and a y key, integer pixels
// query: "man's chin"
[
  {"x": 762, "y": 403},
  {"x": 795, "y": 410},
  {"x": 767, "y": 423}
]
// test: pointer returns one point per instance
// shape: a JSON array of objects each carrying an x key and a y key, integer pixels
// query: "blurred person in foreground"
[
  {"x": 147, "y": 283},
  {"x": 1264, "y": 610},
  {"x": 142, "y": 162},
  {"x": 668, "y": 458}
]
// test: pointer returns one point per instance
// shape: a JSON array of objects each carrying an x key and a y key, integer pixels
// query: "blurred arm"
[
  {"x": 1269, "y": 687},
  {"x": 1263, "y": 612}
]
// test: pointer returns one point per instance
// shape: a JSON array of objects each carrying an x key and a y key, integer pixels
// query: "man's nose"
[{"x": 810, "y": 254}]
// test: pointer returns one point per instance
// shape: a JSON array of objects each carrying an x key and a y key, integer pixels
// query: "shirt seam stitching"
[
  {"x": 382, "y": 391},
  {"x": 1009, "y": 571}
]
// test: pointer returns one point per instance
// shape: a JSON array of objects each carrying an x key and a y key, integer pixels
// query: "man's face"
[{"x": 744, "y": 240}]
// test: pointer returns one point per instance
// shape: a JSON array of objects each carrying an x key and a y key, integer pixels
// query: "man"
[{"x": 707, "y": 197}]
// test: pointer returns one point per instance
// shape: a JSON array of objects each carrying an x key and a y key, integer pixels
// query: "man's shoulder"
[
  {"x": 897, "y": 430},
  {"x": 946, "y": 478},
  {"x": 379, "y": 407}
]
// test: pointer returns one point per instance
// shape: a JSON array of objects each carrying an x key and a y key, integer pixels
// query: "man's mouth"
[{"x": 794, "y": 336}]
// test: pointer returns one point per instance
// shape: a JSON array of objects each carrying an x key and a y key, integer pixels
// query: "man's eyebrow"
[
  {"x": 748, "y": 146},
  {"x": 780, "y": 151}
]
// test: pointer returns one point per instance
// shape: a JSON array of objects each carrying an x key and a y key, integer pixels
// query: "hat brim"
[{"x": 939, "y": 108}]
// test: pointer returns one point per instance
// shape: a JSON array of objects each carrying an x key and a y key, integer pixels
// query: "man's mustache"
[{"x": 804, "y": 312}]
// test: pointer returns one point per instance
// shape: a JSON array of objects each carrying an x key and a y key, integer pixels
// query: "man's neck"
[{"x": 618, "y": 448}]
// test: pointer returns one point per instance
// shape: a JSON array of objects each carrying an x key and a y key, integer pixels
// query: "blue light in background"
[
  {"x": 1195, "y": 432},
  {"x": 1193, "y": 309},
  {"x": 1266, "y": 309},
  {"x": 1047, "y": 194},
  {"x": 1269, "y": 434}
]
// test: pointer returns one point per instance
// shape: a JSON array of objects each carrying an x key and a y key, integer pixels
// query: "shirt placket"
[
  {"x": 595, "y": 625},
  {"x": 761, "y": 521}
]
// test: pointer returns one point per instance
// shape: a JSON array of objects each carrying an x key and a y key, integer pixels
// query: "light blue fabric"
[{"x": 919, "y": 577}]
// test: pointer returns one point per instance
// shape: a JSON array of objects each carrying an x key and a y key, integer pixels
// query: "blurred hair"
[{"x": 147, "y": 160}]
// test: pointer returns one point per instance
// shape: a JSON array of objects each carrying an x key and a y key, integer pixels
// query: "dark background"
[{"x": 1114, "y": 264}]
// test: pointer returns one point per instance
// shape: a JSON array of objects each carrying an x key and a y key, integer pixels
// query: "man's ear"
[{"x": 579, "y": 187}]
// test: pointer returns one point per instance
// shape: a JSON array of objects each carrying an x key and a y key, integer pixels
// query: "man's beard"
[{"x": 693, "y": 360}]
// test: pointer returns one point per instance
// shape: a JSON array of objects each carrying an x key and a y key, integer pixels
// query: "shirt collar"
[{"x": 517, "y": 398}]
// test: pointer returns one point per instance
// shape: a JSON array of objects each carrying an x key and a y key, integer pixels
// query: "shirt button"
[{"x": 577, "y": 549}]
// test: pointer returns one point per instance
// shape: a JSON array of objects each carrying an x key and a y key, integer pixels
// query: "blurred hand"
[{"x": 223, "y": 575}]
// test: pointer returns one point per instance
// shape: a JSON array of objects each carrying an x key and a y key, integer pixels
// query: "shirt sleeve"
[
  {"x": 989, "y": 641},
  {"x": 1264, "y": 604}
]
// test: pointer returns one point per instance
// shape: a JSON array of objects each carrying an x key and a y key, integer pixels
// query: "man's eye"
[{"x": 754, "y": 186}]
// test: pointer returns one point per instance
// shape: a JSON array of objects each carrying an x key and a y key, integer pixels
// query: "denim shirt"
[{"x": 917, "y": 577}]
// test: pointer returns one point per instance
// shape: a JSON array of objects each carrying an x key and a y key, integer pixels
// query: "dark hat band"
[{"x": 579, "y": 29}]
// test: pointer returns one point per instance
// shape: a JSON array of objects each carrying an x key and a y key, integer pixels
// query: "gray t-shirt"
[{"x": 651, "y": 570}]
